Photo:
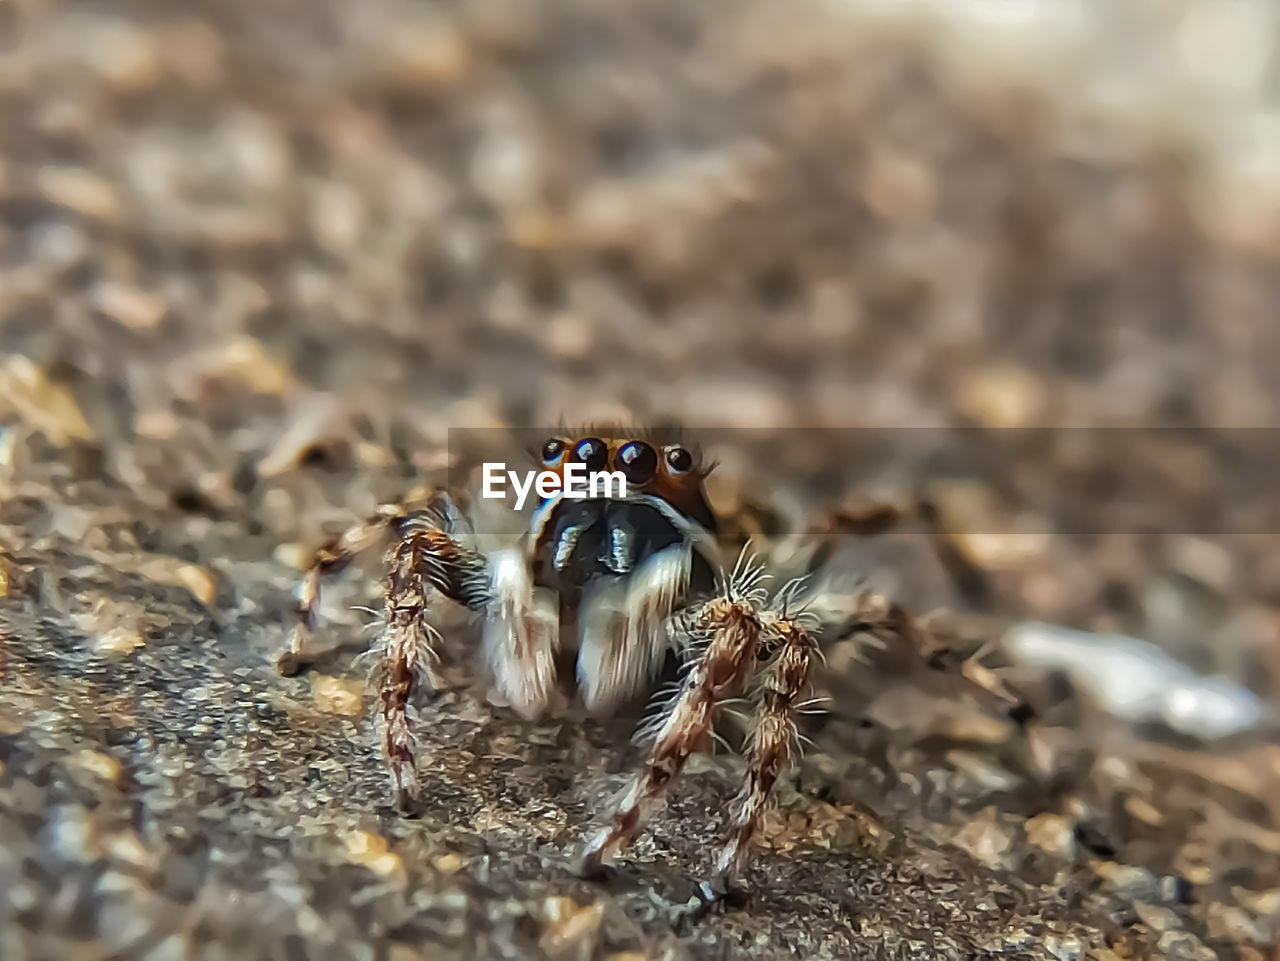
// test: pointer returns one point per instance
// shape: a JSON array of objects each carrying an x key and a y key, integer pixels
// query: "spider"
[{"x": 626, "y": 582}]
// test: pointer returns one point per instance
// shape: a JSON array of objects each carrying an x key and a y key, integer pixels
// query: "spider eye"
[
  {"x": 592, "y": 452},
  {"x": 552, "y": 450},
  {"x": 637, "y": 461},
  {"x": 679, "y": 460}
]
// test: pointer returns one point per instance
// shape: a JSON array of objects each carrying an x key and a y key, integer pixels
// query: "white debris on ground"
[{"x": 1134, "y": 679}]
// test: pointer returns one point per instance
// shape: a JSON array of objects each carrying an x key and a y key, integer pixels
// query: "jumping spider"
[{"x": 626, "y": 582}]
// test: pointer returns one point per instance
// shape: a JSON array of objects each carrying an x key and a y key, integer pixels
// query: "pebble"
[
  {"x": 1237, "y": 924},
  {"x": 128, "y": 306},
  {"x": 418, "y": 55},
  {"x": 1064, "y": 947},
  {"x": 82, "y": 191},
  {"x": 986, "y": 839},
  {"x": 40, "y": 403},
  {"x": 124, "y": 55},
  {"x": 371, "y": 851},
  {"x": 1001, "y": 396},
  {"x": 569, "y": 924},
  {"x": 1184, "y": 946},
  {"x": 119, "y": 640},
  {"x": 1053, "y": 833},
  {"x": 897, "y": 186},
  {"x": 1137, "y": 680},
  {"x": 1129, "y": 882},
  {"x": 1157, "y": 918},
  {"x": 335, "y": 695}
]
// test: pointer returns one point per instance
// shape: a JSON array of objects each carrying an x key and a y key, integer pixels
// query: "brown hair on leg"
[{"x": 728, "y": 629}]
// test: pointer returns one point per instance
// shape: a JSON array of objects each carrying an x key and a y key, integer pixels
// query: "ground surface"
[{"x": 257, "y": 259}]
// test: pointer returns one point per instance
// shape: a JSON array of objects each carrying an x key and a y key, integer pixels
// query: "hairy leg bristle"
[
  {"x": 426, "y": 557},
  {"x": 781, "y": 697},
  {"x": 329, "y": 560},
  {"x": 727, "y": 631},
  {"x": 407, "y": 660}
]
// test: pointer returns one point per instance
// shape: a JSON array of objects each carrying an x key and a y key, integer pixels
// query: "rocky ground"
[{"x": 258, "y": 259}]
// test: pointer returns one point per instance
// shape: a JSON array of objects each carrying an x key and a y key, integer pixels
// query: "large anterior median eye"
[
  {"x": 637, "y": 461},
  {"x": 679, "y": 460},
  {"x": 592, "y": 452}
]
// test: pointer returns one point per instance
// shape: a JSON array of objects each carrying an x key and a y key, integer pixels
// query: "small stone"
[
  {"x": 128, "y": 848},
  {"x": 293, "y": 556},
  {"x": 172, "y": 948},
  {"x": 421, "y": 55},
  {"x": 1000, "y": 396},
  {"x": 1235, "y": 924},
  {"x": 1052, "y": 833},
  {"x": 334, "y": 695},
  {"x": 169, "y": 570},
  {"x": 448, "y": 863},
  {"x": 974, "y": 727},
  {"x": 570, "y": 924},
  {"x": 371, "y": 851},
  {"x": 41, "y": 404},
  {"x": 897, "y": 186},
  {"x": 245, "y": 362},
  {"x": 199, "y": 582},
  {"x": 1064, "y": 947},
  {"x": 1266, "y": 903},
  {"x": 128, "y": 306},
  {"x": 100, "y": 764},
  {"x": 1157, "y": 918},
  {"x": 123, "y": 54},
  {"x": 986, "y": 839},
  {"x": 1174, "y": 889},
  {"x": 1184, "y": 946},
  {"x": 399, "y": 951},
  {"x": 570, "y": 335},
  {"x": 1130, "y": 883},
  {"x": 1143, "y": 810},
  {"x": 82, "y": 191},
  {"x": 119, "y": 640},
  {"x": 984, "y": 771},
  {"x": 157, "y": 424}
]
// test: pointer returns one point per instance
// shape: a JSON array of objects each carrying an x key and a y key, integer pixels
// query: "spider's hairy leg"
[
  {"x": 329, "y": 560},
  {"x": 425, "y": 559},
  {"x": 727, "y": 628},
  {"x": 407, "y": 657},
  {"x": 780, "y": 695}
]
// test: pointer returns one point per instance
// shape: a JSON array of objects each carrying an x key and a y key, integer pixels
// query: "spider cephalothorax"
[
  {"x": 614, "y": 568},
  {"x": 621, "y": 582}
]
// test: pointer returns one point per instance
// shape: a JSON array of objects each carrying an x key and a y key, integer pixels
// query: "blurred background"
[{"x": 258, "y": 259}]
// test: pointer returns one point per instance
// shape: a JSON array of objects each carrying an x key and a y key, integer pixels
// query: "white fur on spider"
[
  {"x": 623, "y": 634},
  {"x": 521, "y": 634}
]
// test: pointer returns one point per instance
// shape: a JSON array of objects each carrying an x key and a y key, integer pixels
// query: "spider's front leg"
[
  {"x": 726, "y": 633},
  {"x": 330, "y": 560},
  {"x": 459, "y": 573},
  {"x": 427, "y": 558}
]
